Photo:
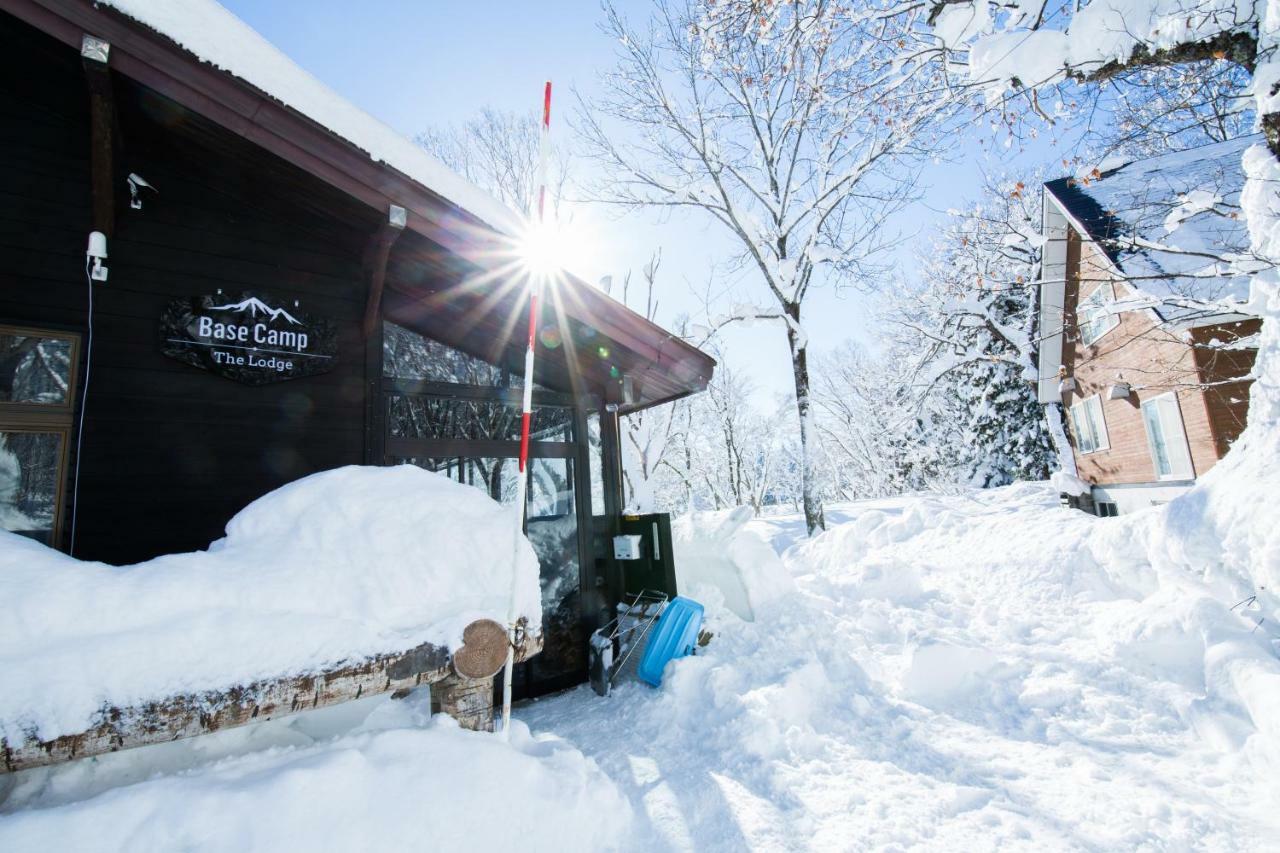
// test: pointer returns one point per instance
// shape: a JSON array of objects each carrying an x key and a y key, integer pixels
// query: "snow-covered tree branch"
[{"x": 795, "y": 126}]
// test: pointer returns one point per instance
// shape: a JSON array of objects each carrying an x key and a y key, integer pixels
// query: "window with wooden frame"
[
  {"x": 1166, "y": 438},
  {"x": 1089, "y": 426},
  {"x": 38, "y": 370},
  {"x": 1094, "y": 314}
]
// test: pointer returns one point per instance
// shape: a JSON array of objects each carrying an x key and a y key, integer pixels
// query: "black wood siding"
[{"x": 172, "y": 452}]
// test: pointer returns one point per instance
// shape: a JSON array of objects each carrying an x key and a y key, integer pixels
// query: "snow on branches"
[
  {"x": 969, "y": 325},
  {"x": 796, "y": 126},
  {"x": 1029, "y": 43}
]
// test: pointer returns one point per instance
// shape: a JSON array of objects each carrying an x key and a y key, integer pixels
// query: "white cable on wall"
[{"x": 84, "y": 397}]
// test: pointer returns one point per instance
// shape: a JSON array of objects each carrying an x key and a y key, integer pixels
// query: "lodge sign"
[{"x": 248, "y": 339}]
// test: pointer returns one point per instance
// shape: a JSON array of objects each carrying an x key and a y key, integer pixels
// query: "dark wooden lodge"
[{"x": 253, "y": 215}]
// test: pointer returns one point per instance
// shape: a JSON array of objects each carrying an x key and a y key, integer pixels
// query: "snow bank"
[
  {"x": 986, "y": 670},
  {"x": 337, "y": 566},
  {"x": 714, "y": 550},
  {"x": 218, "y": 37},
  {"x": 1216, "y": 552},
  {"x": 398, "y": 781}
]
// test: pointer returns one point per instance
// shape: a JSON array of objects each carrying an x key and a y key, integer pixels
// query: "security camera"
[
  {"x": 137, "y": 182},
  {"x": 96, "y": 254}
]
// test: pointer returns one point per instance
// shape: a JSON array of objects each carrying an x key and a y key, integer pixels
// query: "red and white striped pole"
[{"x": 522, "y": 482}]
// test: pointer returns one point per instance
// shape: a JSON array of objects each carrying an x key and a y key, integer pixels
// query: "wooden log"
[
  {"x": 376, "y": 254},
  {"x": 467, "y": 700},
  {"x": 188, "y": 715},
  {"x": 484, "y": 650}
]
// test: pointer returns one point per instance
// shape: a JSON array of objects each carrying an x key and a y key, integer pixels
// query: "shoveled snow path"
[{"x": 954, "y": 673}]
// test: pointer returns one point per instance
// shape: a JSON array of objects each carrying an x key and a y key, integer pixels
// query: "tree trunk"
[{"x": 813, "y": 517}]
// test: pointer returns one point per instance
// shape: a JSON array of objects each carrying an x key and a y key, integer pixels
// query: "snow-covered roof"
[
  {"x": 216, "y": 36},
  {"x": 1171, "y": 224}
]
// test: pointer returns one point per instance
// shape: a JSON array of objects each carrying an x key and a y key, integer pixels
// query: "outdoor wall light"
[
  {"x": 94, "y": 48},
  {"x": 95, "y": 255},
  {"x": 137, "y": 182}
]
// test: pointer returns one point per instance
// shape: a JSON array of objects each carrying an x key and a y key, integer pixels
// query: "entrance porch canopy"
[{"x": 453, "y": 273}]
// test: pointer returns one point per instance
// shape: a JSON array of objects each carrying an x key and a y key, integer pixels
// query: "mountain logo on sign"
[{"x": 254, "y": 305}]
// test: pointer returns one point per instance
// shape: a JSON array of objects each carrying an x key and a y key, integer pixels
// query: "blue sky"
[{"x": 431, "y": 62}]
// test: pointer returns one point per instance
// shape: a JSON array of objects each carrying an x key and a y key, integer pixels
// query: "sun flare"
[{"x": 549, "y": 250}]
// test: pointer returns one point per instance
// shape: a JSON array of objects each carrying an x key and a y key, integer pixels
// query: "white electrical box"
[{"x": 626, "y": 547}]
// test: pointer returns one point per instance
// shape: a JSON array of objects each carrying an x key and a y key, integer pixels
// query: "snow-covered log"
[
  {"x": 344, "y": 583},
  {"x": 191, "y": 714}
]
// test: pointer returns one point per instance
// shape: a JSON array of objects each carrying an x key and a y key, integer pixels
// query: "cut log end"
[{"x": 484, "y": 650}]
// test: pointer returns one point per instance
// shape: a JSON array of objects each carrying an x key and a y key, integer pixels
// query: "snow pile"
[
  {"x": 718, "y": 558},
  {"x": 335, "y": 567},
  {"x": 979, "y": 671},
  {"x": 396, "y": 781},
  {"x": 1069, "y": 484},
  {"x": 218, "y": 37},
  {"x": 984, "y": 670}
]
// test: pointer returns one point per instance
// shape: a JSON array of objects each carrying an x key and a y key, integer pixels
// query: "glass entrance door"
[
  {"x": 450, "y": 413},
  {"x": 552, "y": 529}
]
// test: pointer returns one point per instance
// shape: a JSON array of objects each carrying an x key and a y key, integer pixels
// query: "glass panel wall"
[
  {"x": 408, "y": 355},
  {"x": 457, "y": 417},
  {"x": 495, "y": 477},
  {"x": 37, "y": 397},
  {"x": 30, "y": 471},
  {"x": 595, "y": 449},
  {"x": 35, "y": 368}
]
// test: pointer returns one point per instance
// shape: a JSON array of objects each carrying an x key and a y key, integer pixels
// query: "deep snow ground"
[{"x": 962, "y": 672}]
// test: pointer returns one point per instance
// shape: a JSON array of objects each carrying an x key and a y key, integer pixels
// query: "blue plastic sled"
[{"x": 673, "y": 637}]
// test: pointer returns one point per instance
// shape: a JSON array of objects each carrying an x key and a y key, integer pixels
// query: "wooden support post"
[
  {"x": 377, "y": 252},
  {"x": 469, "y": 701},
  {"x": 94, "y": 54},
  {"x": 376, "y": 263},
  {"x": 611, "y": 461},
  {"x": 612, "y": 487}
]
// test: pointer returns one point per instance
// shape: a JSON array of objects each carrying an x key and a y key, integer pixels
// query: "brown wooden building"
[
  {"x": 291, "y": 287},
  {"x": 1150, "y": 369}
]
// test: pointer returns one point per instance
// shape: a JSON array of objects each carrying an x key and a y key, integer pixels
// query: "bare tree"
[
  {"x": 878, "y": 437},
  {"x": 969, "y": 327},
  {"x": 498, "y": 151},
  {"x": 856, "y": 421},
  {"x": 794, "y": 125},
  {"x": 650, "y": 436},
  {"x": 1156, "y": 110}
]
